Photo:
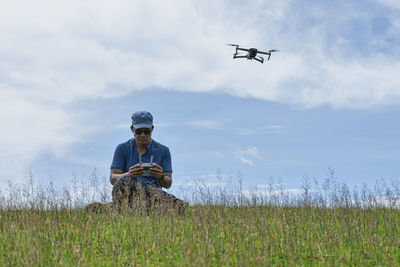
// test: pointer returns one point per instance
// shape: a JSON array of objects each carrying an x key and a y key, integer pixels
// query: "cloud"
[
  {"x": 390, "y": 3},
  {"x": 248, "y": 155},
  {"x": 277, "y": 193},
  {"x": 204, "y": 180},
  {"x": 80, "y": 50},
  {"x": 203, "y": 123},
  {"x": 218, "y": 154},
  {"x": 261, "y": 130},
  {"x": 269, "y": 186},
  {"x": 30, "y": 128},
  {"x": 204, "y": 184},
  {"x": 208, "y": 124}
]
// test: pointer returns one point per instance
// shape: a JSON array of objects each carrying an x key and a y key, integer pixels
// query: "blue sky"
[{"x": 72, "y": 73}]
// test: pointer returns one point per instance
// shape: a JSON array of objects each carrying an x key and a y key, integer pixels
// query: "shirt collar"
[{"x": 148, "y": 146}]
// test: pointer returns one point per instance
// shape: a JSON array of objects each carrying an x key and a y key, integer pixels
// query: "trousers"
[{"x": 133, "y": 193}]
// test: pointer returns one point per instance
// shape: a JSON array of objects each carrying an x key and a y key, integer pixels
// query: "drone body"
[{"x": 252, "y": 53}]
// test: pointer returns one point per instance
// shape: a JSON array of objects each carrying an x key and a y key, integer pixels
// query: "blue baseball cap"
[{"x": 142, "y": 119}]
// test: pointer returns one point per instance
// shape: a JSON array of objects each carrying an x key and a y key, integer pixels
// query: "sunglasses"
[{"x": 146, "y": 131}]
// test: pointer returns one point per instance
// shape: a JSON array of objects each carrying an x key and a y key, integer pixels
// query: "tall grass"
[{"x": 323, "y": 223}]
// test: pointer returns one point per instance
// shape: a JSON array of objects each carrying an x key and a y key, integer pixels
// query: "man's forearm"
[
  {"x": 114, "y": 177},
  {"x": 166, "y": 182}
]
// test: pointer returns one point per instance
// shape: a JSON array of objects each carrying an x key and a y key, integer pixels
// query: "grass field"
[{"x": 314, "y": 230}]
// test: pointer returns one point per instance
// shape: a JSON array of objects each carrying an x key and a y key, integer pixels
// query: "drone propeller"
[
  {"x": 274, "y": 50},
  {"x": 232, "y": 44}
]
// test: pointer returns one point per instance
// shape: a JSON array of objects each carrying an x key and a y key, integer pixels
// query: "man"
[{"x": 132, "y": 184}]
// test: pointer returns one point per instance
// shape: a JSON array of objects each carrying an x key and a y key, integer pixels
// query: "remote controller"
[{"x": 146, "y": 165}]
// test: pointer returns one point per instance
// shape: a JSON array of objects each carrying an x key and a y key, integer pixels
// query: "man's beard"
[{"x": 143, "y": 145}]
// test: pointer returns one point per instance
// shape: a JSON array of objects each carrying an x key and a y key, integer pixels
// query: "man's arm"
[
  {"x": 157, "y": 172},
  {"x": 115, "y": 174},
  {"x": 134, "y": 171}
]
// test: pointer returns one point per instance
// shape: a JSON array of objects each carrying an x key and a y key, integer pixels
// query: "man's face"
[{"x": 142, "y": 135}]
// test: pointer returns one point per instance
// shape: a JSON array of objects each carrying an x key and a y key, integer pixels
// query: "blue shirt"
[{"x": 126, "y": 155}]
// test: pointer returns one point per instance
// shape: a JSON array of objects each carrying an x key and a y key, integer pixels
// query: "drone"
[{"x": 252, "y": 53}]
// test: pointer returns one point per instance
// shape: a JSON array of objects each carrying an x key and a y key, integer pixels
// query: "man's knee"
[
  {"x": 122, "y": 188},
  {"x": 122, "y": 181}
]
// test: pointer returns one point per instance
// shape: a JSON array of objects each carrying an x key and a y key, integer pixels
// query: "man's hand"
[
  {"x": 156, "y": 171},
  {"x": 135, "y": 170}
]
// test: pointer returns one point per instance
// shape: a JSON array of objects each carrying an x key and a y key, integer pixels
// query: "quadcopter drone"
[{"x": 252, "y": 53}]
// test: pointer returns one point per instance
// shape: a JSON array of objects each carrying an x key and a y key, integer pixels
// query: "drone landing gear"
[
  {"x": 260, "y": 59},
  {"x": 235, "y": 56}
]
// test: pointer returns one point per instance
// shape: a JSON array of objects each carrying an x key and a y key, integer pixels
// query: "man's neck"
[{"x": 142, "y": 148}]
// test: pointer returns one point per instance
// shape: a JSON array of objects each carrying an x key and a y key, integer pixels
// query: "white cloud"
[
  {"x": 385, "y": 201},
  {"x": 208, "y": 124},
  {"x": 29, "y": 129},
  {"x": 251, "y": 151},
  {"x": 276, "y": 185},
  {"x": 218, "y": 154},
  {"x": 203, "y": 180},
  {"x": 261, "y": 130},
  {"x": 204, "y": 184},
  {"x": 267, "y": 193},
  {"x": 204, "y": 123},
  {"x": 390, "y": 3},
  {"x": 275, "y": 127},
  {"x": 248, "y": 155},
  {"x": 246, "y": 161},
  {"x": 242, "y": 131}
]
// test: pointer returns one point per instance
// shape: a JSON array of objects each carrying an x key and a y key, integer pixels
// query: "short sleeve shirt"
[{"x": 126, "y": 155}]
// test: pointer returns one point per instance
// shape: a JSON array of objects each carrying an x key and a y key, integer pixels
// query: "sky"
[{"x": 72, "y": 73}]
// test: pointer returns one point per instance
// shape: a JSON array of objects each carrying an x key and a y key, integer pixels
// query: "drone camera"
[{"x": 253, "y": 52}]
